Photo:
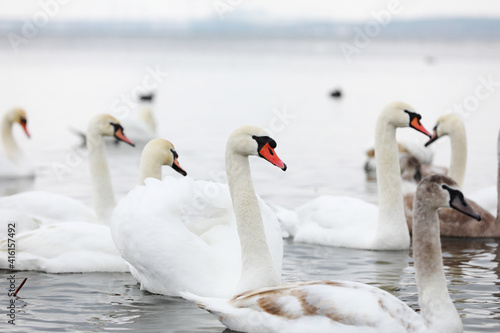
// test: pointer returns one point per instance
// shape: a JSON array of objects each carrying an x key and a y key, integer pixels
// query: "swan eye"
[{"x": 23, "y": 121}]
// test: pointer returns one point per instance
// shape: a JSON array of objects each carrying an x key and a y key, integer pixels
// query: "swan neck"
[
  {"x": 392, "y": 232},
  {"x": 150, "y": 166},
  {"x": 146, "y": 115},
  {"x": 458, "y": 161},
  {"x": 10, "y": 147},
  {"x": 257, "y": 265},
  {"x": 434, "y": 299},
  {"x": 102, "y": 190}
]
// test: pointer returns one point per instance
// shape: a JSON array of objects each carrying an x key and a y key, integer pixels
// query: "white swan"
[
  {"x": 14, "y": 164},
  {"x": 52, "y": 207},
  {"x": 138, "y": 119},
  {"x": 344, "y": 306},
  {"x": 350, "y": 222},
  {"x": 180, "y": 234},
  {"x": 77, "y": 246},
  {"x": 452, "y": 125},
  {"x": 156, "y": 153},
  {"x": 140, "y": 122},
  {"x": 37, "y": 211}
]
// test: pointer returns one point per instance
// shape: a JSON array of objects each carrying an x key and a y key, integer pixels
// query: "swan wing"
[
  {"x": 65, "y": 248},
  {"x": 48, "y": 207},
  {"x": 18, "y": 221},
  {"x": 184, "y": 232},
  {"x": 328, "y": 306},
  {"x": 337, "y": 221},
  {"x": 288, "y": 220},
  {"x": 149, "y": 231}
]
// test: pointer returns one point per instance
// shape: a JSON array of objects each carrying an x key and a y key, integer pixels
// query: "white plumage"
[
  {"x": 350, "y": 222},
  {"x": 13, "y": 163},
  {"x": 65, "y": 248},
  {"x": 53, "y": 242},
  {"x": 181, "y": 234}
]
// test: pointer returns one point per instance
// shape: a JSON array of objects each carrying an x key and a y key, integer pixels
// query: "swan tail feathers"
[
  {"x": 198, "y": 300},
  {"x": 215, "y": 305}
]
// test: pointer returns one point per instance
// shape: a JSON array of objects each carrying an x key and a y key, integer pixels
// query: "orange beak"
[
  {"x": 176, "y": 166},
  {"x": 433, "y": 138},
  {"x": 120, "y": 136},
  {"x": 269, "y": 154},
  {"x": 415, "y": 123},
  {"x": 25, "y": 128}
]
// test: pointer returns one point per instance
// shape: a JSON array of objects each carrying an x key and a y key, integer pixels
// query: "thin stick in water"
[{"x": 20, "y": 286}]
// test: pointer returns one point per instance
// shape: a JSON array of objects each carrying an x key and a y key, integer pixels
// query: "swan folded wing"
[
  {"x": 150, "y": 234},
  {"x": 334, "y": 212},
  {"x": 328, "y": 305},
  {"x": 170, "y": 258},
  {"x": 48, "y": 207},
  {"x": 66, "y": 248},
  {"x": 205, "y": 209},
  {"x": 19, "y": 220},
  {"x": 337, "y": 221},
  {"x": 288, "y": 220},
  {"x": 208, "y": 206}
]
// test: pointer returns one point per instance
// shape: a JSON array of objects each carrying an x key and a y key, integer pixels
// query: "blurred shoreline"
[
  {"x": 430, "y": 51},
  {"x": 390, "y": 28}
]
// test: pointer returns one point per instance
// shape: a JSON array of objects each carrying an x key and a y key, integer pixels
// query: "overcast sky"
[{"x": 184, "y": 10}]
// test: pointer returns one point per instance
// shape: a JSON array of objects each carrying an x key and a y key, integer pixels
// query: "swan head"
[
  {"x": 437, "y": 191},
  {"x": 400, "y": 114},
  {"x": 445, "y": 125},
  {"x": 18, "y": 115},
  {"x": 163, "y": 152},
  {"x": 107, "y": 125},
  {"x": 254, "y": 141}
]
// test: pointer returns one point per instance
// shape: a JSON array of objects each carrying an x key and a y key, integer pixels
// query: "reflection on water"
[
  {"x": 323, "y": 147},
  {"x": 473, "y": 268}
]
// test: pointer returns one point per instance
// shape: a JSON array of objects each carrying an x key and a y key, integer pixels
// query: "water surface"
[{"x": 214, "y": 86}]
